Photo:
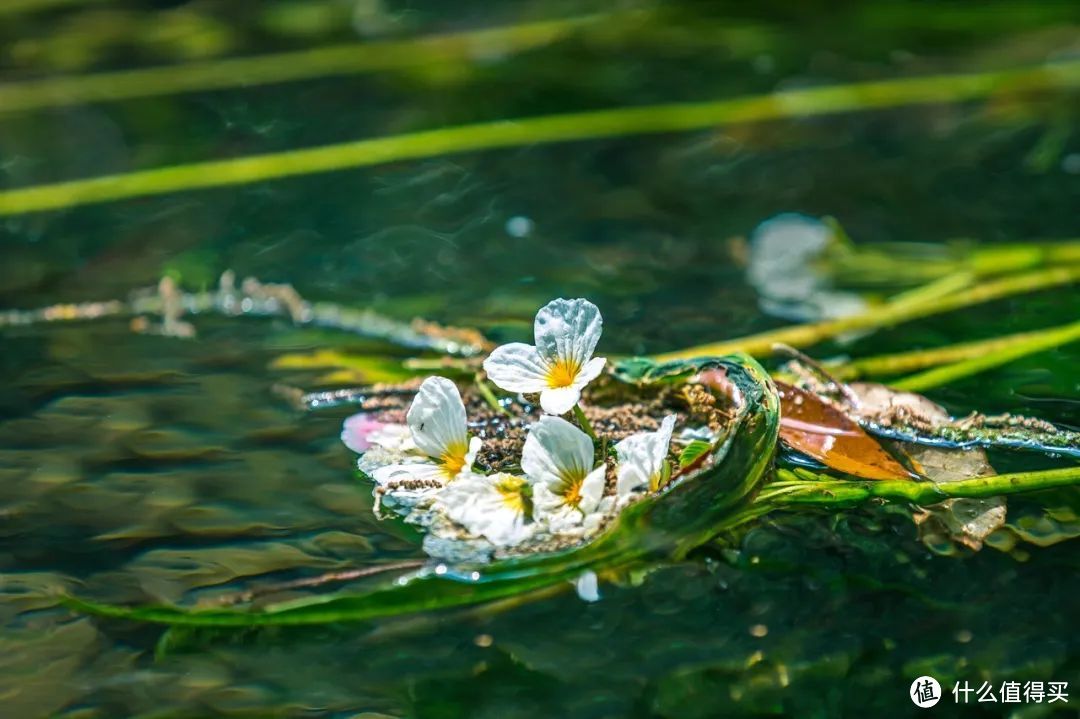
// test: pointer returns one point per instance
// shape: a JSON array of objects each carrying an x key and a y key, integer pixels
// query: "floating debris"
[
  {"x": 255, "y": 299},
  {"x": 911, "y": 417}
]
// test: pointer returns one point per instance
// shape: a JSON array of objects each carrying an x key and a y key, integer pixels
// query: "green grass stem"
[
  {"x": 617, "y": 122},
  {"x": 801, "y": 336}
]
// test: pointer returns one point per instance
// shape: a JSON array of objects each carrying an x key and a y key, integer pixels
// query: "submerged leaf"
[
  {"x": 1054, "y": 517},
  {"x": 819, "y": 430}
]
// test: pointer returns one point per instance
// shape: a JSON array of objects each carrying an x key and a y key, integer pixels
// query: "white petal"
[
  {"x": 437, "y": 418},
  {"x": 592, "y": 489},
  {"x": 559, "y": 400},
  {"x": 632, "y": 472},
  {"x": 504, "y": 528},
  {"x": 557, "y": 517},
  {"x": 587, "y": 586},
  {"x": 568, "y": 330},
  {"x": 556, "y": 451},
  {"x": 424, "y": 472},
  {"x": 589, "y": 372},
  {"x": 546, "y": 502},
  {"x": 667, "y": 428},
  {"x": 517, "y": 367},
  {"x": 641, "y": 457},
  {"x": 592, "y": 522},
  {"x": 392, "y": 436},
  {"x": 470, "y": 457},
  {"x": 403, "y": 486},
  {"x": 475, "y": 502},
  {"x": 379, "y": 456}
]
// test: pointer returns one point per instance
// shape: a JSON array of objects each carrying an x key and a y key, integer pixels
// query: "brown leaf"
[{"x": 820, "y": 430}]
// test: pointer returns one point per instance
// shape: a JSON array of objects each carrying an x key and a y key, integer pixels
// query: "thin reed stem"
[
  {"x": 911, "y": 361},
  {"x": 282, "y": 67},
  {"x": 801, "y": 336},
  {"x": 618, "y": 122},
  {"x": 1040, "y": 342}
]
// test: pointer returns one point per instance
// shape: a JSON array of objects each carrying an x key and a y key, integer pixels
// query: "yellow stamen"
[
  {"x": 562, "y": 373},
  {"x": 512, "y": 494},
  {"x": 572, "y": 495},
  {"x": 453, "y": 459}
]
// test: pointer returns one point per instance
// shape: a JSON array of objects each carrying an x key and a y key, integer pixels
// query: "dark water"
[{"x": 140, "y": 468}]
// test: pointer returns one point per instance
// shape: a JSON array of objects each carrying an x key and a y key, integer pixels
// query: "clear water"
[{"x": 140, "y": 468}]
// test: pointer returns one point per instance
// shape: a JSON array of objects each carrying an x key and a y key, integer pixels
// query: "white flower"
[
  {"x": 561, "y": 363},
  {"x": 642, "y": 457},
  {"x": 558, "y": 461},
  {"x": 436, "y": 422},
  {"x": 497, "y": 507}
]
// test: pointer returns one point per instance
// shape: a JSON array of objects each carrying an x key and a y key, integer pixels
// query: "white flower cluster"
[{"x": 428, "y": 464}]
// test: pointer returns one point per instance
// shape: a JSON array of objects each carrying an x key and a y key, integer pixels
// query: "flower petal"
[
  {"x": 404, "y": 486},
  {"x": 567, "y": 330},
  {"x": 517, "y": 367},
  {"x": 590, "y": 371},
  {"x": 633, "y": 472},
  {"x": 477, "y": 503},
  {"x": 470, "y": 457},
  {"x": 556, "y": 452},
  {"x": 667, "y": 428},
  {"x": 559, "y": 400},
  {"x": 557, "y": 517},
  {"x": 594, "y": 521},
  {"x": 592, "y": 489},
  {"x": 395, "y": 437},
  {"x": 420, "y": 472},
  {"x": 378, "y": 456},
  {"x": 641, "y": 457},
  {"x": 356, "y": 429},
  {"x": 437, "y": 419},
  {"x": 546, "y": 502}
]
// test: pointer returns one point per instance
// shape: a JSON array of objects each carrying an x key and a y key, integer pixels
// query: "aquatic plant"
[{"x": 567, "y": 517}]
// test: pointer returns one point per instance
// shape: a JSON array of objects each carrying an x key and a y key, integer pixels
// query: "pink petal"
[{"x": 357, "y": 429}]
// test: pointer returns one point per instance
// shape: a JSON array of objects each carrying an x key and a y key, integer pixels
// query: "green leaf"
[{"x": 693, "y": 451}]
